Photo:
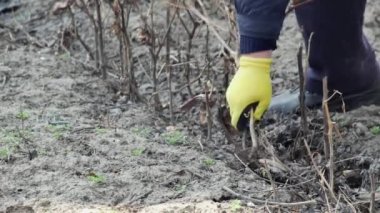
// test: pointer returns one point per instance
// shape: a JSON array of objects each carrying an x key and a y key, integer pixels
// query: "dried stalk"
[
  {"x": 373, "y": 193},
  {"x": 206, "y": 19},
  {"x": 168, "y": 68},
  {"x": 208, "y": 113},
  {"x": 320, "y": 174},
  {"x": 328, "y": 128},
  {"x": 274, "y": 188},
  {"x": 77, "y": 35},
  {"x": 156, "y": 46},
  {"x": 302, "y": 91},
  {"x": 190, "y": 34},
  {"x": 254, "y": 144},
  {"x": 208, "y": 52},
  {"x": 83, "y": 6},
  {"x": 102, "y": 61}
]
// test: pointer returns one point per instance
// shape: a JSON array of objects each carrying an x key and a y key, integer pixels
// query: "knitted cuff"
[{"x": 250, "y": 44}]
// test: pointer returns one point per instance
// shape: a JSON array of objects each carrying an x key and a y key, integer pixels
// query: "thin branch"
[
  {"x": 328, "y": 127},
  {"x": 78, "y": 36},
  {"x": 320, "y": 174},
  {"x": 212, "y": 28},
  {"x": 373, "y": 193},
  {"x": 258, "y": 201},
  {"x": 302, "y": 91}
]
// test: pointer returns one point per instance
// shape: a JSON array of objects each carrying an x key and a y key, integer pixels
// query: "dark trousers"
[{"x": 338, "y": 49}]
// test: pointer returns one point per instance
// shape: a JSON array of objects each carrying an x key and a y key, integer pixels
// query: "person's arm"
[{"x": 260, "y": 23}]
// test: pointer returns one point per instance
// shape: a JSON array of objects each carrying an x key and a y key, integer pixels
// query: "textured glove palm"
[{"x": 250, "y": 85}]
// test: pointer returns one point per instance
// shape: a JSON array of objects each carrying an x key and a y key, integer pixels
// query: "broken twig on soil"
[{"x": 258, "y": 201}]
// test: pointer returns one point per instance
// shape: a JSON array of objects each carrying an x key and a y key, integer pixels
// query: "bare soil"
[{"x": 68, "y": 143}]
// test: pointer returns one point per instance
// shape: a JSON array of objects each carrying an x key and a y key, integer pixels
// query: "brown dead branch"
[
  {"x": 155, "y": 46},
  {"x": 100, "y": 40},
  {"x": 77, "y": 35},
  {"x": 206, "y": 19},
  {"x": 168, "y": 68},
  {"x": 190, "y": 34},
  {"x": 319, "y": 172},
  {"x": 83, "y": 6},
  {"x": 328, "y": 128}
]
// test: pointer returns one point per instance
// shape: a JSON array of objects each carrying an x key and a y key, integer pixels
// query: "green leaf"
[
  {"x": 23, "y": 115},
  {"x": 375, "y": 130},
  {"x": 235, "y": 205},
  {"x": 96, "y": 178},
  {"x": 137, "y": 152},
  {"x": 209, "y": 162}
]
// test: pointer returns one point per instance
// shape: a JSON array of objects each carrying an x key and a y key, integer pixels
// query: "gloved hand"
[{"x": 250, "y": 86}]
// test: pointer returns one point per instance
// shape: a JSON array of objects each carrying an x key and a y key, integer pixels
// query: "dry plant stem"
[
  {"x": 168, "y": 68},
  {"x": 208, "y": 52},
  {"x": 190, "y": 34},
  {"x": 302, "y": 91},
  {"x": 77, "y": 35},
  {"x": 102, "y": 58},
  {"x": 253, "y": 133},
  {"x": 258, "y": 201},
  {"x": 208, "y": 113},
  {"x": 349, "y": 203},
  {"x": 373, "y": 193},
  {"x": 274, "y": 188},
  {"x": 192, "y": 81},
  {"x": 327, "y": 199},
  {"x": 320, "y": 174},
  {"x": 206, "y": 19},
  {"x": 128, "y": 56},
  {"x": 156, "y": 98},
  {"x": 30, "y": 38},
  {"x": 328, "y": 125},
  {"x": 156, "y": 46},
  {"x": 83, "y": 6}
]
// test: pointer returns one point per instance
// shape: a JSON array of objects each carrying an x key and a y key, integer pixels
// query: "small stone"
[
  {"x": 360, "y": 129},
  {"x": 19, "y": 209}
]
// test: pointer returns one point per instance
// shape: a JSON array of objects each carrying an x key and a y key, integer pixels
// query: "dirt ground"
[{"x": 66, "y": 144}]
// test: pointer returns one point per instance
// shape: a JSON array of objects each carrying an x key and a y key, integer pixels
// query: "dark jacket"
[{"x": 260, "y": 23}]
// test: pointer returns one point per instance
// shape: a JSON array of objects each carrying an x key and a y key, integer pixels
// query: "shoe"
[{"x": 288, "y": 102}]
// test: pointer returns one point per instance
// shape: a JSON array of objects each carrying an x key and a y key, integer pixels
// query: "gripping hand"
[{"x": 251, "y": 86}]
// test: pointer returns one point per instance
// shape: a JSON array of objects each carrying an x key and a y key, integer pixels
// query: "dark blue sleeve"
[{"x": 260, "y": 23}]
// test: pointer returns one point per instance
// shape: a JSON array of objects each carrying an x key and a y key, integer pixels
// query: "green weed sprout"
[
  {"x": 137, "y": 152},
  {"x": 96, "y": 178},
  {"x": 375, "y": 130},
  {"x": 100, "y": 131},
  {"x": 235, "y": 205},
  {"x": 209, "y": 162},
  {"x": 142, "y": 131},
  {"x": 9, "y": 140},
  {"x": 58, "y": 130},
  {"x": 23, "y": 116},
  {"x": 174, "y": 137}
]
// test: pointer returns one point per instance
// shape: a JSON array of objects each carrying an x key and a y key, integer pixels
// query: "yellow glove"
[{"x": 250, "y": 85}]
